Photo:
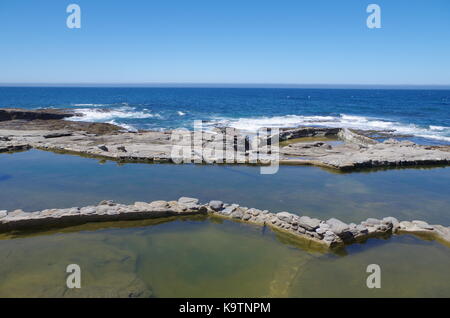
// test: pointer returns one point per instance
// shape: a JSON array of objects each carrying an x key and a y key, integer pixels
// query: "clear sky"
[{"x": 225, "y": 41}]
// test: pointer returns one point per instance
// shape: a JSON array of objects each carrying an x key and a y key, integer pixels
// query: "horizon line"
[{"x": 226, "y": 85}]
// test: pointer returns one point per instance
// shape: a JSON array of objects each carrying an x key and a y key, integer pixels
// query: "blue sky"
[{"x": 225, "y": 41}]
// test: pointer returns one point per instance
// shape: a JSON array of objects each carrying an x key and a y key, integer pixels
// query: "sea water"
[{"x": 422, "y": 114}]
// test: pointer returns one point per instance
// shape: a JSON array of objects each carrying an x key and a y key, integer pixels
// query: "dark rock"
[
  {"x": 103, "y": 147},
  {"x": 24, "y": 114},
  {"x": 56, "y": 135}
]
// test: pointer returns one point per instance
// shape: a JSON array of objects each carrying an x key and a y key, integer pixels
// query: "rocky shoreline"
[
  {"x": 330, "y": 234},
  {"x": 350, "y": 150}
]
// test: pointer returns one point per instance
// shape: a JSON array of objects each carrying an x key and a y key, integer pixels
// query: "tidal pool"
[
  {"x": 205, "y": 257},
  {"x": 208, "y": 258},
  {"x": 39, "y": 180}
]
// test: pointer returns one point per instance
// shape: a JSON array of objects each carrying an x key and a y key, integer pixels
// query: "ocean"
[{"x": 422, "y": 114}]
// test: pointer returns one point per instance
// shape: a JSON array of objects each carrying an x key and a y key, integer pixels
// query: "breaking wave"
[
  {"x": 105, "y": 115},
  {"x": 341, "y": 121}
]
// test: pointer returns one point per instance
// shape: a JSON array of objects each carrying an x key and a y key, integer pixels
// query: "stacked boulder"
[{"x": 331, "y": 232}]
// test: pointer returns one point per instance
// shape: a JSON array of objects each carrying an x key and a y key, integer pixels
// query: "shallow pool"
[
  {"x": 36, "y": 180},
  {"x": 205, "y": 257}
]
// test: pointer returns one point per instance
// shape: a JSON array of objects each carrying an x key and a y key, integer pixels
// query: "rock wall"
[{"x": 329, "y": 233}]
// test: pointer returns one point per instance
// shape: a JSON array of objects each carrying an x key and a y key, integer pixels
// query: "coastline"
[{"x": 353, "y": 150}]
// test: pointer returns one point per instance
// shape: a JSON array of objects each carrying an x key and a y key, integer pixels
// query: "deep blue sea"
[{"x": 422, "y": 113}]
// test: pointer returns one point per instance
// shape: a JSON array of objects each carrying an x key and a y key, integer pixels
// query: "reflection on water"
[
  {"x": 206, "y": 257},
  {"x": 42, "y": 180},
  {"x": 211, "y": 258}
]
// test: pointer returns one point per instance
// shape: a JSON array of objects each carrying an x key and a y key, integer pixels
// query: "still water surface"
[{"x": 211, "y": 258}]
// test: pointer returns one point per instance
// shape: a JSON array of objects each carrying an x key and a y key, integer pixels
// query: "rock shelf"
[
  {"x": 47, "y": 130},
  {"x": 331, "y": 233}
]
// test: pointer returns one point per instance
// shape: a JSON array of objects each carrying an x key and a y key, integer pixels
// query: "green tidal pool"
[{"x": 207, "y": 257}]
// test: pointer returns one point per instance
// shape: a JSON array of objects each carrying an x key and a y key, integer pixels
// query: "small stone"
[
  {"x": 285, "y": 216},
  {"x": 337, "y": 226},
  {"x": 159, "y": 205},
  {"x": 362, "y": 229},
  {"x": 321, "y": 230},
  {"x": 190, "y": 203},
  {"x": 329, "y": 236},
  {"x": 230, "y": 209},
  {"x": 237, "y": 214},
  {"x": 216, "y": 205},
  {"x": 390, "y": 219},
  {"x": 308, "y": 223},
  {"x": 254, "y": 212},
  {"x": 301, "y": 230}
]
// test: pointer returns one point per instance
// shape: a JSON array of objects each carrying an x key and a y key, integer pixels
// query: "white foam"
[
  {"x": 125, "y": 126},
  {"x": 341, "y": 121},
  {"x": 180, "y": 113},
  {"x": 100, "y": 115},
  {"x": 438, "y": 128}
]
